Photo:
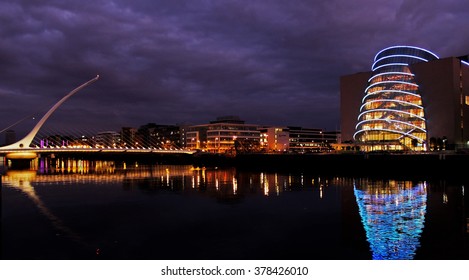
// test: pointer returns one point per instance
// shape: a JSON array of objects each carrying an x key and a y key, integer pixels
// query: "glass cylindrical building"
[{"x": 392, "y": 115}]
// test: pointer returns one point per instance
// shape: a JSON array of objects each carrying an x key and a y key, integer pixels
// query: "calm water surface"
[{"x": 97, "y": 210}]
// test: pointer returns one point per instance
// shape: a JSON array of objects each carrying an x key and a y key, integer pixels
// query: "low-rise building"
[
  {"x": 275, "y": 139},
  {"x": 154, "y": 135},
  {"x": 303, "y": 140},
  {"x": 107, "y": 139},
  {"x": 227, "y": 134}
]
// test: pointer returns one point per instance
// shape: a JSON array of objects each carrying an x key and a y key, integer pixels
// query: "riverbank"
[
  {"x": 350, "y": 164},
  {"x": 427, "y": 165}
]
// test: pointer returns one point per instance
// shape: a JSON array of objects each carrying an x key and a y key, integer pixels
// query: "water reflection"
[
  {"x": 73, "y": 166},
  {"x": 393, "y": 215},
  {"x": 236, "y": 213},
  {"x": 225, "y": 184},
  {"x": 21, "y": 180}
]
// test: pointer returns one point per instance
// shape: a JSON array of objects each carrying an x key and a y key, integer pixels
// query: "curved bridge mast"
[{"x": 28, "y": 139}]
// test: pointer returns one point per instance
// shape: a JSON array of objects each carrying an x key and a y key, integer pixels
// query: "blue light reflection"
[{"x": 393, "y": 215}]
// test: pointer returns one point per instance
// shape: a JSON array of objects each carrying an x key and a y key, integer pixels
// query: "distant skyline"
[{"x": 167, "y": 62}]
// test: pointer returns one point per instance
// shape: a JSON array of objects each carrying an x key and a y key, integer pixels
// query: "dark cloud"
[{"x": 270, "y": 62}]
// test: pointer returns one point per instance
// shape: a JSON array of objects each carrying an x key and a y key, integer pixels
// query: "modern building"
[
  {"x": 275, "y": 139},
  {"x": 224, "y": 135},
  {"x": 304, "y": 140},
  {"x": 154, "y": 135},
  {"x": 410, "y": 100},
  {"x": 107, "y": 139},
  {"x": 182, "y": 133},
  {"x": 129, "y": 137}
]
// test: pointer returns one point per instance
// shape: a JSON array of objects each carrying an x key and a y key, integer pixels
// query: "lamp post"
[{"x": 322, "y": 141}]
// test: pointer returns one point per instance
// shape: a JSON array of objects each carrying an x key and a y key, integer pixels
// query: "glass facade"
[{"x": 392, "y": 113}]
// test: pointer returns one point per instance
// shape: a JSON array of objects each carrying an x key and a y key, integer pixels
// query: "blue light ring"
[
  {"x": 392, "y": 64},
  {"x": 406, "y": 47},
  {"x": 405, "y": 56}
]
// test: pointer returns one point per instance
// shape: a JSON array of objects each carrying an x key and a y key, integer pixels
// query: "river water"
[{"x": 76, "y": 209}]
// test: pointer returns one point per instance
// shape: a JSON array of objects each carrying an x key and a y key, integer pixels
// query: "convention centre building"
[{"x": 411, "y": 100}]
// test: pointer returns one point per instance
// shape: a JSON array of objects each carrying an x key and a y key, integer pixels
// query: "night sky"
[{"x": 270, "y": 62}]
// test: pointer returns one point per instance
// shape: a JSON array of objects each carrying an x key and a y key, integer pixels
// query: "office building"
[
  {"x": 275, "y": 139},
  {"x": 154, "y": 135},
  {"x": 129, "y": 137},
  {"x": 107, "y": 139},
  {"x": 227, "y": 134},
  {"x": 303, "y": 140}
]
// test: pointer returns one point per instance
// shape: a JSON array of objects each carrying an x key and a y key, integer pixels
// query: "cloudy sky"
[{"x": 271, "y": 62}]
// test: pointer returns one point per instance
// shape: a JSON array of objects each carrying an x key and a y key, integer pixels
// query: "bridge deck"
[{"x": 96, "y": 150}]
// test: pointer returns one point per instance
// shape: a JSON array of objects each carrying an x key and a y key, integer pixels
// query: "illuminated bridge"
[{"x": 26, "y": 149}]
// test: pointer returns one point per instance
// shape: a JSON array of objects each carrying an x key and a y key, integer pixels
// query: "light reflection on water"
[
  {"x": 392, "y": 212},
  {"x": 22, "y": 181},
  {"x": 245, "y": 203},
  {"x": 393, "y": 215},
  {"x": 224, "y": 181}
]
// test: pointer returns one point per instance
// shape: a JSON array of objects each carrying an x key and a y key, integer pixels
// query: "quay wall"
[
  {"x": 362, "y": 164},
  {"x": 340, "y": 164}
]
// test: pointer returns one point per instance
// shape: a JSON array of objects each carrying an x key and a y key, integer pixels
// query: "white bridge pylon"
[{"x": 28, "y": 139}]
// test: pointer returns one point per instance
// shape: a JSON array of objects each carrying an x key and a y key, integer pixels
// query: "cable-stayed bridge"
[{"x": 42, "y": 142}]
